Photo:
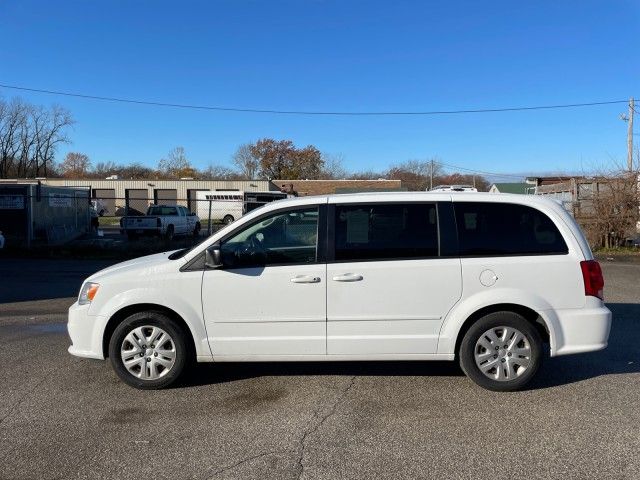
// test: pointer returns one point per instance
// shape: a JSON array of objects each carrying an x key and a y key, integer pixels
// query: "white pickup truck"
[{"x": 161, "y": 220}]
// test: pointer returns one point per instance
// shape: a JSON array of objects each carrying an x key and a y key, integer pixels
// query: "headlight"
[{"x": 87, "y": 293}]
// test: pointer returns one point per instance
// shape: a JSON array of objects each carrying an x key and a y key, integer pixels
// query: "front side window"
[
  {"x": 283, "y": 238},
  {"x": 385, "y": 231},
  {"x": 505, "y": 229}
]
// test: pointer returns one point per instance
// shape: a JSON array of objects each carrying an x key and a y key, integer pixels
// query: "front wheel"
[
  {"x": 501, "y": 351},
  {"x": 228, "y": 219},
  {"x": 148, "y": 351}
]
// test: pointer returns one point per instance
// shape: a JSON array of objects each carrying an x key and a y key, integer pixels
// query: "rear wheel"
[
  {"x": 502, "y": 351},
  {"x": 148, "y": 351},
  {"x": 228, "y": 219}
]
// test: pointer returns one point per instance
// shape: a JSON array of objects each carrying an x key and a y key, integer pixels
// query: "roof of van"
[
  {"x": 430, "y": 195},
  {"x": 540, "y": 201}
]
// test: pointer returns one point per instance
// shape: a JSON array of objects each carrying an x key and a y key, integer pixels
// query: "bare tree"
[
  {"x": 105, "y": 169},
  {"x": 29, "y": 136},
  {"x": 12, "y": 119},
  {"x": 135, "y": 171},
  {"x": 176, "y": 164},
  {"x": 221, "y": 172},
  {"x": 75, "y": 165},
  {"x": 607, "y": 206},
  {"x": 246, "y": 162},
  {"x": 367, "y": 175},
  {"x": 415, "y": 174},
  {"x": 333, "y": 168},
  {"x": 52, "y": 134}
]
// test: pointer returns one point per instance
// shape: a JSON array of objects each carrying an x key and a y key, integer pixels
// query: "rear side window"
[
  {"x": 385, "y": 231},
  {"x": 160, "y": 210},
  {"x": 505, "y": 229}
]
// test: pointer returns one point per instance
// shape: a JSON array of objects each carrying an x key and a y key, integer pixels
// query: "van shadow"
[
  {"x": 214, "y": 373},
  {"x": 621, "y": 356}
]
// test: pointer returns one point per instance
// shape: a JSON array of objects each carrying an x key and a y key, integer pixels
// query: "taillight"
[{"x": 593, "y": 279}]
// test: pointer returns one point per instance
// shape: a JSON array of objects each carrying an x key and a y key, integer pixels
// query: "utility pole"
[
  {"x": 630, "y": 136},
  {"x": 431, "y": 176}
]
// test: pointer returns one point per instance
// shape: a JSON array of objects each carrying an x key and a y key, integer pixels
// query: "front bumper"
[
  {"x": 582, "y": 330},
  {"x": 82, "y": 330}
]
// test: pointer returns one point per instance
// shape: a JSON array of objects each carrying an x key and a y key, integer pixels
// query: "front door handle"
[
  {"x": 348, "y": 277},
  {"x": 305, "y": 279}
]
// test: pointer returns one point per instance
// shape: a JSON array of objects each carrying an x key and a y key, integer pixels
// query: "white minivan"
[{"x": 484, "y": 279}]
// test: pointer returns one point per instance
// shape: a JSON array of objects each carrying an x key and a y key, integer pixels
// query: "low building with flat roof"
[{"x": 112, "y": 195}]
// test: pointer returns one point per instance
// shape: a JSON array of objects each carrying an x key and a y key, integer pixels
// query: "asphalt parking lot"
[{"x": 63, "y": 417}]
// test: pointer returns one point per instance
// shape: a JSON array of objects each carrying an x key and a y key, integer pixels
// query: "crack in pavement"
[
  {"x": 241, "y": 462},
  {"x": 331, "y": 410}
]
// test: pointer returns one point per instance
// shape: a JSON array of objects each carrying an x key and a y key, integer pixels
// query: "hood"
[{"x": 147, "y": 262}]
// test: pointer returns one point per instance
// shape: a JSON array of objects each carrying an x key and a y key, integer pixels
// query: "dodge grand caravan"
[{"x": 483, "y": 279}]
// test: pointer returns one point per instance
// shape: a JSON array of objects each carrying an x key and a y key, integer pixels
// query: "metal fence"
[
  {"x": 51, "y": 218},
  {"x": 55, "y": 218},
  {"x": 218, "y": 207}
]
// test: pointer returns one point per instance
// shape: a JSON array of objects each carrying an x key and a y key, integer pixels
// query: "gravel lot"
[{"x": 62, "y": 417}]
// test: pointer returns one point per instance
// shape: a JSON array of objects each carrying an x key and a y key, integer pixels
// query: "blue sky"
[{"x": 334, "y": 55}]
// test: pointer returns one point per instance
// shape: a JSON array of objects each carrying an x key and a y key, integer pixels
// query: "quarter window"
[
  {"x": 385, "y": 231},
  {"x": 505, "y": 229},
  {"x": 283, "y": 238}
]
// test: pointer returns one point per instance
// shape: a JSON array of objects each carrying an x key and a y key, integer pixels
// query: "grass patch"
[
  {"x": 109, "y": 221},
  {"x": 614, "y": 251}
]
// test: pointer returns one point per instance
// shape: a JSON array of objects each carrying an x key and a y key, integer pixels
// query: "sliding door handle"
[
  {"x": 305, "y": 279},
  {"x": 348, "y": 277}
]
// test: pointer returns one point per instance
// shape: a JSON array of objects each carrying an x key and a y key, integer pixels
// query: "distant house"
[{"x": 520, "y": 188}]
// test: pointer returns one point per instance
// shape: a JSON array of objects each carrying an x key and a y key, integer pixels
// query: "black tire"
[
  {"x": 228, "y": 219},
  {"x": 169, "y": 233},
  {"x": 131, "y": 236},
  {"x": 468, "y": 350},
  {"x": 196, "y": 231},
  {"x": 151, "y": 319}
]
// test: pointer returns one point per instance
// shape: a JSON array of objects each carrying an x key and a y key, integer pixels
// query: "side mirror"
[{"x": 213, "y": 257}]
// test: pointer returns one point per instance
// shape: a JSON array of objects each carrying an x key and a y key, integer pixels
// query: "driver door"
[{"x": 269, "y": 297}]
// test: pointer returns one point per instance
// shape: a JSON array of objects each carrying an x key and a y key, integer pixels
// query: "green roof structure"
[{"x": 521, "y": 188}]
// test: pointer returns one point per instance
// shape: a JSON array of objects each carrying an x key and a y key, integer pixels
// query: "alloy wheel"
[
  {"x": 502, "y": 353},
  {"x": 148, "y": 352}
]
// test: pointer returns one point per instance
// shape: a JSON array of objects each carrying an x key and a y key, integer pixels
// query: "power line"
[
  {"x": 480, "y": 172},
  {"x": 303, "y": 112}
]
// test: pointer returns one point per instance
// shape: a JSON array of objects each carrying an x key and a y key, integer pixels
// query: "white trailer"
[
  {"x": 229, "y": 205},
  {"x": 225, "y": 206}
]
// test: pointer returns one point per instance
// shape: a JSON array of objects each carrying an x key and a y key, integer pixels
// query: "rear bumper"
[{"x": 582, "y": 330}]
